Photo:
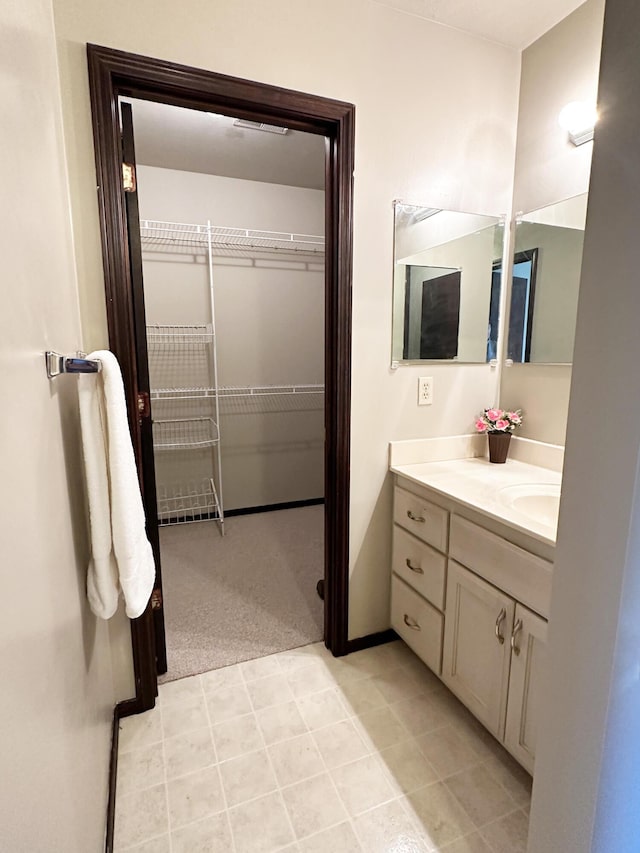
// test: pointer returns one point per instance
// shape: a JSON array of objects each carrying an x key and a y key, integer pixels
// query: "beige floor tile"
[
  {"x": 272, "y": 690},
  {"x": 398, "y": 684},
  {"x": 295, "y": 759},
  {"x": 439, "y": 814},
  {"x": 380, "y": 728},
  {"x": 322, "y": 709},
  {"x": 310, "y": 679},
  {"x": 313, "y": 805},
  {"x": 261, "y": 826},
  {"x": 373, "y": 661},
  {"x": 389, "y": 829},
  {"x": 260, "y": 668},
  {"x": 227, "y": 676},
  {"x": 473, "y": 843},
  {"x": 211, "y": 835},
  {"x": 184, "y": 716},
  {"x": 180, "y": 690},
  {"x": 511, "y": 776},
  {"x": 428, "y": 680},
  {"x": 346, "y": 670},
  {"x": 140, "y": 768},
  {"x": 280, "y": 722},
  {"x": 509, "y": 834},
  {"x": 195, "y": 796},
  {"x": 407, "y": 767},
  {"x": 399, "y": 654},
  {"x": 154, "y": 845},
  {"x": 140, "y": 730},
  {"x": 246, "y": 777},
  {"x": 447, "y": 751},
  {"x": 303, "y": 656},
  {"x": 189, "y": 752},
  {"x": 225, "y": 703},
  {"x": 340, "y": 743},
  {"x": 236, "y": 737},
  {"x": 361, "y": 696},
  {"x": 481, "y": 796},
  {"x": 140, "y": 816},
  {"x": 338, "y": 839},
  {"x": 419, "y": 714},
  {"x": 363, "y": 784}
]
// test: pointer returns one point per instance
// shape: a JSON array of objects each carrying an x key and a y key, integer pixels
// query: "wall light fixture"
[{"x": 578, "y": 118}]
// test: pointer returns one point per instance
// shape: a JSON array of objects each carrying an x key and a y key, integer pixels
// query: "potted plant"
[{"x": 498, "y": 424}]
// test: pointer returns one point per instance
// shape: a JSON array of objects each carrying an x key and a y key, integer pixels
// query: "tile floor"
[{"x": 300, "y": 751}]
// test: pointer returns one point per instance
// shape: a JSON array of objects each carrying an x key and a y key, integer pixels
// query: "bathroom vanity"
[{"x": 472, "y": 565}]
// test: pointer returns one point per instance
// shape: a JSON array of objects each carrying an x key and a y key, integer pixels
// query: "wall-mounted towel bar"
[{"x": 57, "y": 364}]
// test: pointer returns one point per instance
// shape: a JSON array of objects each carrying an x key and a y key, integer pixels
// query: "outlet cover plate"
[{"x": 425, "y": 390}]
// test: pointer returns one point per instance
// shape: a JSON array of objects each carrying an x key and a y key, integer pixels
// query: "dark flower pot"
[{"x": 499, "y": 446}]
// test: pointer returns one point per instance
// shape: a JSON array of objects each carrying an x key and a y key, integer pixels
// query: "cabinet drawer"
[
  {"x": 425, "y": 520},
  {"x": 418, "y": 623},
  {"x": 522, "y": 575},
  {"x": 419, "y": 565}
]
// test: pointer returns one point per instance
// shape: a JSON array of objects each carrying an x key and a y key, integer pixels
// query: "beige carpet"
[{"x": 244, "y": 595}]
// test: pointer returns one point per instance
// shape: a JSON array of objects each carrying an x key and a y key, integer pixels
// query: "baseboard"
[
  {"x": 371, "y": 640},
  {"x": 249, "y": 510},
  {"x": 113, "y": 773}
]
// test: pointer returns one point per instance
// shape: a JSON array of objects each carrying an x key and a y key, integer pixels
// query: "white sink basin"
[{"x": 538, "y": 501}]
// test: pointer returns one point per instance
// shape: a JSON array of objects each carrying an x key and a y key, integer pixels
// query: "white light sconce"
[{"x": 578, "y": 119}]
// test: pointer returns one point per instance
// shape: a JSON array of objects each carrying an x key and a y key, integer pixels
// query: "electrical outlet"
[{"x": 425, "y": 390}]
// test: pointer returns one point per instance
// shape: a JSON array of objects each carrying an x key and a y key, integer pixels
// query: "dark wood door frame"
[{"x": 114, "y": 73}]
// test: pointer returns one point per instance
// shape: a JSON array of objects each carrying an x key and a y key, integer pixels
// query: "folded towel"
[{"x": 121, "y": 553}]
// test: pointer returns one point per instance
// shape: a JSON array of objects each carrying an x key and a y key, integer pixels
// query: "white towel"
[{"x": 121, "y": 554}]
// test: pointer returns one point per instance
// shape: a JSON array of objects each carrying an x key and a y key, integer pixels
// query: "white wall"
[
  {"x": 435, "y": 122},
  {"x": 57, "y": 692},
  {"x": 586, "y": 795},
  {"x": 269, "y": 331},
  {"x": 560, "y": 67}
]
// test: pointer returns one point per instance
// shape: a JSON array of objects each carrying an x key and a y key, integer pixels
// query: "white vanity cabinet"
[
  {"x": 476, "y": 646},
  {"x": 472, "y": 605}
]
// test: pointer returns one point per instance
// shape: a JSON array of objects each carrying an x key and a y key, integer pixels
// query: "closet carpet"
[{"x": 245, "y": 595}]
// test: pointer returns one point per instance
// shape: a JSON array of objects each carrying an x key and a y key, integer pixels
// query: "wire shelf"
[
  {"x": 171, "y": 235},
  {"x": 160, "y": 394},
  {"x": 175, "y": 335},
  {"x": 185, "y": 433},
  {"x": 186, "y": 502},
  {"x": 268, "y": 390}
]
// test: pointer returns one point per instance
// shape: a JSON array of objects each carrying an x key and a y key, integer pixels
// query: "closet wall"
[{"x": 269, "y": 318}]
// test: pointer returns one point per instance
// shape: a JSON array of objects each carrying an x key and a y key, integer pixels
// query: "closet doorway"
[
  {"x": 231, "y": 223},
  {"x": 150, "y": 353}
]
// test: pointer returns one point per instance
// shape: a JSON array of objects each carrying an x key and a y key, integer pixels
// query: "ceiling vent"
[{"x": 258, "y": 125}]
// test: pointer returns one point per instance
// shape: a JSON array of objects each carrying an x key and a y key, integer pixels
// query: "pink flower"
[
  {"x": 514, "y": 417},
  {"x": 481, "y": 425},
  {"x": 502, "y": 424},
  {"x": 494, "y": 414}
]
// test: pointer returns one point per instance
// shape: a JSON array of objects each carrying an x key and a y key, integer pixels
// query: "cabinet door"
[
  {"x": 478, "y": 624},
  {"x": 528, "y": 665}
]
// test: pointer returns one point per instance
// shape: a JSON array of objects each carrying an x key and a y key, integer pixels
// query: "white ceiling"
[
  {"x": 194, "y": 141},
  {"x": 516, "y": 23}
]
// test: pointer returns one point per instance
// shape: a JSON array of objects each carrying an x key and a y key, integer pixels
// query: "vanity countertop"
[{"x": 521, "y": 495}]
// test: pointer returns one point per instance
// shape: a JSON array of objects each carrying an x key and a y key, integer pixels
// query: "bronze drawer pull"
[
  {"x": 501, "y": 617},
  {"x": 413, "y": 517},
  {"x": 417, "y": 569},
  {"x": 410, "y": 622},
  {"x": 516, "y": 630}
]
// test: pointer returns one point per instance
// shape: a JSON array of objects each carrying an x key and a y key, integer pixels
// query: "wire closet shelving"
[{"x": 180, "y": 351}]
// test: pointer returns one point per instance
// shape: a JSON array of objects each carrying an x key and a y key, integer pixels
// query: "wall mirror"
[
  {"x": 445, "y": 264},
  {"x": 547, "y": 259}
]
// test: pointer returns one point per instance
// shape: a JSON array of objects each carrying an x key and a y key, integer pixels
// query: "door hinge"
[
  {"x": 144, "y": 404},
  {"x": 129, "y": 177},
  {"x": 156, "y": 599}
]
